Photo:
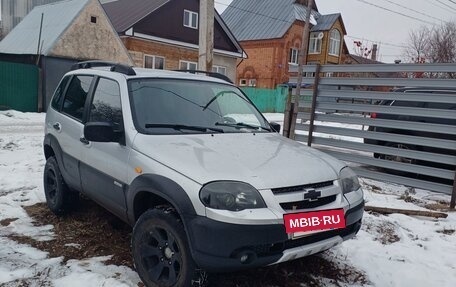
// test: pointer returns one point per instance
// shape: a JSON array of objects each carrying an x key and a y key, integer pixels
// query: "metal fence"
[
  {"x": 19, "y": 87},
  {"x": 353, "y": 114}
]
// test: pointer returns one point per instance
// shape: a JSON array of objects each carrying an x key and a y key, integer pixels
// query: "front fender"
[{"x": 160, "y": 186}]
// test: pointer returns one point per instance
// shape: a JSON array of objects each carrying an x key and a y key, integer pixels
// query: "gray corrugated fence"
[{"x": 401, "y": 137}]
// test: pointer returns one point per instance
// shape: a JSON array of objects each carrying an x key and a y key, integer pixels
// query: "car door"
[
  {"x": 67, "y": 127},
  {"x": 104, "y": 165}
]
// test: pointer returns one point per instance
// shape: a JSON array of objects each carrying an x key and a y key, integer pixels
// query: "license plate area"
[{"x": 305, "y": 223}]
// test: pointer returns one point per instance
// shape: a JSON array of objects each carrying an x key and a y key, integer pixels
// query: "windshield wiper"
[
  {"x": 242, "y": 125},
  {"x": 184, "y": 127}
]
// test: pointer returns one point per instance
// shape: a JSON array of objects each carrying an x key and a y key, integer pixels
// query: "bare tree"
[
  {"x": 436, "y": 45},
  {"x": 442, "y": 46},
  {"x": 418, "y": 45}
]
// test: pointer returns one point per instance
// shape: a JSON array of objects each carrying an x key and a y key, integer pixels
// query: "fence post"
[
  {"x": 453, "y": 195},
  {"x": 314, "y": 105},
  {"x": 288, "y": 111}
]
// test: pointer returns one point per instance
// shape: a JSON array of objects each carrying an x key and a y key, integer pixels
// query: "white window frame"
[
  {"x": 294, "y": 56},
  {"x": 252, "y": 82},
  {"x": 188, "y": 63},
  {"x": 334, "y": 43},
  {"x": 243, "y": 82},
  {"x": 216, "y": 69},
  {"x": 154, "y": 57},
  {"x": 190, "y": 17},
  {"x": 314, "y": 43}
]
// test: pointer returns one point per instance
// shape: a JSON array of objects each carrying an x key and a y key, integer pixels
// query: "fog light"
[{"x": 244, "y": 258}]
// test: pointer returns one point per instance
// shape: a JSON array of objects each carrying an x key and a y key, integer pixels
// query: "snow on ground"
[{"x": 395, "y": 250}]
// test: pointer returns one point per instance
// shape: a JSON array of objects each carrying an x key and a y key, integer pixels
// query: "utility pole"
[
  {"x": 206, "y": 35},
  {"x": 302, "y": 60}
]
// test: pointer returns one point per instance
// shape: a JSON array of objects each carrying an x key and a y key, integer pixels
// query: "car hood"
[{"x": 264, "y": 160}]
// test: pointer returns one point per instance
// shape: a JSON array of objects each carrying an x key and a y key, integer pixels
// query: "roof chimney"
[{"x": 374, "y": 52}]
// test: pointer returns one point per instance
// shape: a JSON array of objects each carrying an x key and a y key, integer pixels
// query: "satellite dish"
[{"x": 321, "y": 35}]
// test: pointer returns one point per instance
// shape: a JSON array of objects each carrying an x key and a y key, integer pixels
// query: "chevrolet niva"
[{"x": 188, "y": 161}]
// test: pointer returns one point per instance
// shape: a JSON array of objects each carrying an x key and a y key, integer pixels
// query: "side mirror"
[
  {"x": 100, "y": 132},
  {"x": 275, "y": 127}
]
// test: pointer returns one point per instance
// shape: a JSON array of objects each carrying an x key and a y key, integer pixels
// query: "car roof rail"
[
  {"x": 115, "y": 67},
  {"x": 210, "y": 74}
]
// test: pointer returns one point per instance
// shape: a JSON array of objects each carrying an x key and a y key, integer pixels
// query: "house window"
[
  {"x": 243, "y": 82},
  {"x": 219, "y": 69},
  {"x": 252, "y": 83},
  {"x": 334, "y": 43},
  {"x": 314, "y": 43},
  {"x": 154, "y": 62},
  {"x": 190, "y": 19},
  {"x": 93, "y": 19},
  {"x": 294, "y": 56},
  {"x": 186, "y": 65}
]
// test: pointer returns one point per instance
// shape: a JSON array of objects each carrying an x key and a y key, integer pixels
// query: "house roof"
[
  {"x": 57, "y": 17},
  {"x": 264, "y": 19},
  {"x": 326, "y": 22},
  {"x": 366, "y": 61},
  {"x": 125, "y": 13}
]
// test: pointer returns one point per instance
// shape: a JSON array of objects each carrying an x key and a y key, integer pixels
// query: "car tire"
[
  {"x": 160, "y": 250},
  {"x": 59, "y": 197}
]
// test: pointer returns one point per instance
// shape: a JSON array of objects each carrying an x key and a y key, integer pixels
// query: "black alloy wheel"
[{"x": 160, "y": 250}]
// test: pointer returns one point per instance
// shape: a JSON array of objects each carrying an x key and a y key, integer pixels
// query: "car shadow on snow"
[{"x": 90, "y": 231}]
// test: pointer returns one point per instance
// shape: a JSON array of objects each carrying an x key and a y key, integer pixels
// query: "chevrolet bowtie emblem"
[{"x": 312, "y": 195}]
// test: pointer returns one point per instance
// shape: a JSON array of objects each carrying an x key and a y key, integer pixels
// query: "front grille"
[
  {"x": 305, "y": 204},
  {"x": 302, "y": 187}
]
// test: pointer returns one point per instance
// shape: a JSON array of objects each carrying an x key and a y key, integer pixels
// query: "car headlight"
[
  {"x": 231, "y": 195},
  {"x": 348, "y": 180}
]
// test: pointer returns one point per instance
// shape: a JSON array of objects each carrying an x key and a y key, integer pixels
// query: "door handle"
[
  {"x": 57, "y": 126},
  {"x": 84, "y": 141}
]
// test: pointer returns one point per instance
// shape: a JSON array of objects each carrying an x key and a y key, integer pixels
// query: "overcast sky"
[{"x": 374, "y": 25}]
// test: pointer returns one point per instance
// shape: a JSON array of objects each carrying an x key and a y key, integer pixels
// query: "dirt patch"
[
  {"x": 447, "y": 231},
  {"x": 387, "y": 233},
  {"x": 10, "y": 146},
  {"x": 439, "y": 206},
  {"x": 307, "y": 271},
  {"x": 7, "y": 221},
  {"x": 91, "y": 231},
  {"x": 88, "y": 232}
]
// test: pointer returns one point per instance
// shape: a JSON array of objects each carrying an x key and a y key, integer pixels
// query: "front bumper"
[{"x": 219, "y": 247}]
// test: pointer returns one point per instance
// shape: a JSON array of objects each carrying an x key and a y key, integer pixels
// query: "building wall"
[
  {"x": 268, "y": 60},
  {"x": 172, "y": 54},
  {"x": 85, "y": 40},
  {"x": 13, "y": 11}
]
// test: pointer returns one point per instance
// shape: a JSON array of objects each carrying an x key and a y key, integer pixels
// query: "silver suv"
[{"x": 187, "y": 159}]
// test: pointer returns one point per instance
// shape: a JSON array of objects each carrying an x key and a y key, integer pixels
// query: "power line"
[
  {"x": 443, "y": 3},
  {"x": 413, "y": 10},
  {"x": 438, "y": 6},
  {"x": 383, "y": 43},
  {"x": 395, "y": 12}
]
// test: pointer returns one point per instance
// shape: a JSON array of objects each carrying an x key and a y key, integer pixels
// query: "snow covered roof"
[
  {"x": 57, "y": 17},
  {"x": 326, "y": 22},
  {"x": 264, "y": 19}
]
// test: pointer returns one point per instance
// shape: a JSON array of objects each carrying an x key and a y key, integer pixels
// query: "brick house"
[
  {"x": 163, "y": 34},
  {"x": 270, "y": 32}
]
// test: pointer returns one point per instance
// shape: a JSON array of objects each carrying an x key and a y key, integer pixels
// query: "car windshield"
[{"x": 167, "y": 106}]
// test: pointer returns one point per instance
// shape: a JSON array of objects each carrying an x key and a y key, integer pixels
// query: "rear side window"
[
  {"x": 106, "y": 106},
  {"x": 57, "y": 99},
  {"x": 76, "y": 96}
]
